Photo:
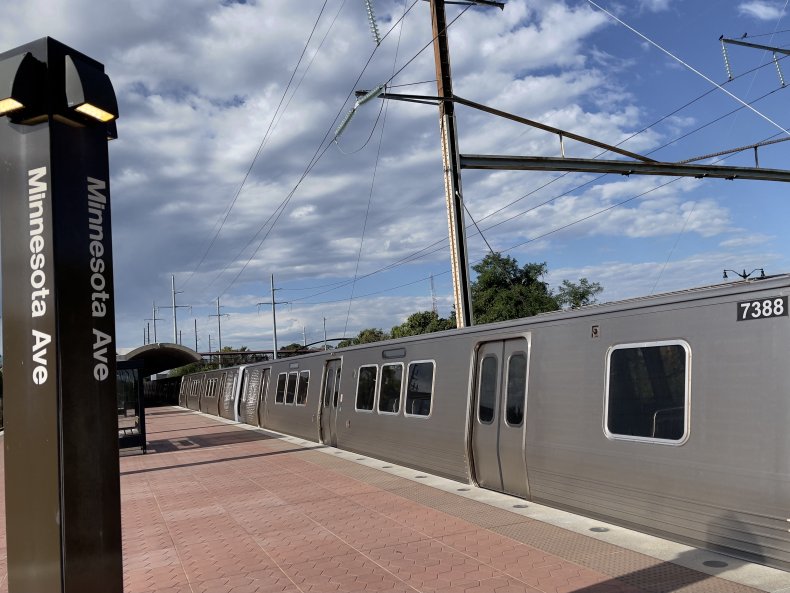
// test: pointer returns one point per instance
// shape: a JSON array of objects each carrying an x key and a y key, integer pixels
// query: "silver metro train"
[{"x": 667, "y": 414}]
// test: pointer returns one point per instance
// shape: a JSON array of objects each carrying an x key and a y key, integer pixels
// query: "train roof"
[
  {"x": 685, "y": 295},
  {"x": 678, "y": 297}
]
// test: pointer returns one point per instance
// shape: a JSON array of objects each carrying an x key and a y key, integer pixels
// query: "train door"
[
  {"x": 263, "y": 398},
  {"x": 249, "y": 395},
  {"x": 329, "y": 402},
  {"x": 498, "y": 417}
]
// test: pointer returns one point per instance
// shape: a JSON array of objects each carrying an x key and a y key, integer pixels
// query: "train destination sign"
[{"x": 762, "y": 308}]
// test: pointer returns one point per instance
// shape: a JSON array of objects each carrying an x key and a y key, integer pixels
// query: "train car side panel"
[
  {"x": 717, "y": 482},
  {"x": 427, "y": 432}
]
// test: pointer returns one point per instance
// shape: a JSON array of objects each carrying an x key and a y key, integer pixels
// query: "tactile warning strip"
[{"x": 632, "y": 568}]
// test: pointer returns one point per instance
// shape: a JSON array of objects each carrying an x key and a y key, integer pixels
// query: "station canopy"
[{"x": 157, "y": 358}]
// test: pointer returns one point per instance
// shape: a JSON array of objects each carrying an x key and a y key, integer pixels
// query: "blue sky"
[{"x": 202, "y": 89}]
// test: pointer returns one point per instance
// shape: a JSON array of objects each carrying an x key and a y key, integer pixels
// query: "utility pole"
[
  {"x": 196, "y": 336},
  {"x": 452, "y": 168},
  {"x": 434, "y": 306},
  {"x": 324, "y": 334},
  {"x": 274, "y": 315},
  {"x": 219, "y": 317},
  {"x": 175, "y": 308},
  {"x": 154, "y": 318}
]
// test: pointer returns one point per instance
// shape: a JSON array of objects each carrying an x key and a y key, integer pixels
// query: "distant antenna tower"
[
  {"x": 374, "y": 28},
  {"x": 434, "y": 306}
]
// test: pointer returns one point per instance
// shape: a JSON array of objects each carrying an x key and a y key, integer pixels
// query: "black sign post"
[{"x": 61, "y": 440}]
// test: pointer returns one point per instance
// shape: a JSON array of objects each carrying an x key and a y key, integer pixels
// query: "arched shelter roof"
[{"x": 157, "y": 358}]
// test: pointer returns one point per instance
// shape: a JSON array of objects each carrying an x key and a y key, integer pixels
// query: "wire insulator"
[
  {"x": 779, "y": 71},
  {"x": 726, "y": 59},
  {"x": 369, "y": 96},
  {"x": 344, "y": 124},
  {"x": 374, "y": 28}
]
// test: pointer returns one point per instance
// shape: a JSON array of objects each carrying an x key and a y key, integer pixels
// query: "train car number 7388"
[{"x": 761, "y": 308}]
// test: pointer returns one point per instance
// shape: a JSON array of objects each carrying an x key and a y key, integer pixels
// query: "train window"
[
  {"x": 489, "y": 373},
  {"x": 211, "y": 387},
  {"x": 328, "y": 388},
  {"x": 280, "y": 395},
  {"x": 366, "y": 387},
  {"x": 419, "y": 388},
  {"x": 647, "y": 392},
  {"x": 516, "y": 389},
  {"x": 301, "y": 392},
  {"x": 389, "y": 391},
  {"x": 336, "y": 388},
  {"x": 290, "y": 389}
]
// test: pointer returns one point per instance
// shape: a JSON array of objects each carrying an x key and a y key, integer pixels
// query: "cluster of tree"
[
  {"x": 422, "y": 322},
  {"x": 502, "y": 290},
  {"x": 292, "y": 349},
  {"x": 238, "y": 357}
]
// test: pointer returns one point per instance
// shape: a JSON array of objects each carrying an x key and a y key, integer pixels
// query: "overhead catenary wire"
[
  {"x": 711, "y": 90},
  {"x": 260, "y": 148},
  {"x": 311, "y": 164},
  {"x": 439, "y": 245},
  {"x": 690, "y": 67},
  {"x": 745, "y": 36},
  {"x": 275, "y": 215},
  {"x": 375, "y": 93},
  {"x": 304, "y": 73}
]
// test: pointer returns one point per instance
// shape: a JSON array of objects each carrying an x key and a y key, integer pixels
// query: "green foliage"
[
  {"x": 573, "y": 295},
  {"x": 227, "y": 361},
  {"x": 238, "y": 358},
  {"x": 291, "y": 349},
  {"x": 422, "y": 322},
  {"x": 366, "y": 336},
  {"x": 195, "y": 367},
  {"x": 504, "y": 290}
]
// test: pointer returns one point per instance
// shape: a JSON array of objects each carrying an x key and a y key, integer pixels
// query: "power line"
[
  {"x": 372, "y": 183},
  {"x": 690, "y": 67},
  {"x": 765, "y": 34},
  {"x": 429, "y": 249},
  {"x": 260, "y": 147},
  {"x": 313, "y": 161},
  {"x": 426, "y": 46},
  {"x": 406, "y": 260}
]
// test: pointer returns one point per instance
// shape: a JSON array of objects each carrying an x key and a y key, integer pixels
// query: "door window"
[
  {"x": 516, "y": 389},
  {"x": 488, "y": 384}
]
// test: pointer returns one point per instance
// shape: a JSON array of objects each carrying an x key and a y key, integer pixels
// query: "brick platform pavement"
[{"x": 215, "y": 508}]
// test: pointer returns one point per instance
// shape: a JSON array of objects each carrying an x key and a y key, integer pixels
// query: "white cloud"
[
  {"x": 654, "y": 5},
  {"x": 196, "y": 99},
  {"x": 762, "y": 10}
]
